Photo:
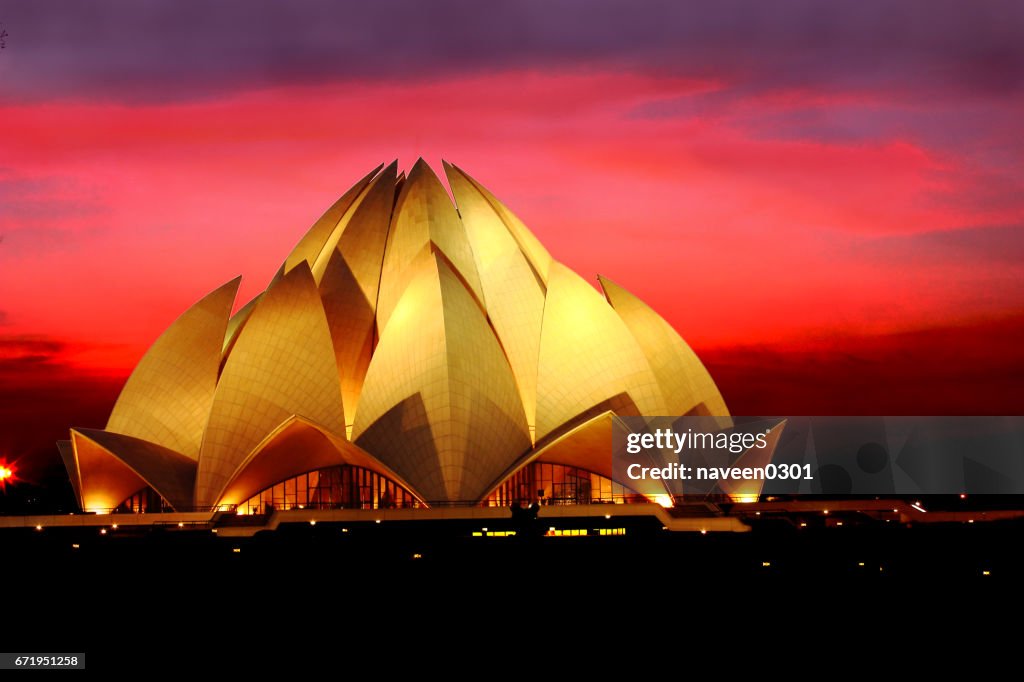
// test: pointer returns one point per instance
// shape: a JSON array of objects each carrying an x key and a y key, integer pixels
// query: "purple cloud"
[{"x": 147, "y": 50}]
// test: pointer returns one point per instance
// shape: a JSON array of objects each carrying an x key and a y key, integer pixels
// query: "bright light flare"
[
  {"x": 664, "y": 501},
  {"x": 8, "y": 474}
]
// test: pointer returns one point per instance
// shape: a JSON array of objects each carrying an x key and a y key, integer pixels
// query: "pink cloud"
[{"x": 731, "y": 234}]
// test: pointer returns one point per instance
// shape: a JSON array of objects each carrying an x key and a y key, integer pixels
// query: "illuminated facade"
[{"x": 409, "y": 352}]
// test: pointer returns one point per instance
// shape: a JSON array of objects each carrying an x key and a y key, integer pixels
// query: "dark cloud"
[
  {"x": 43, "y": 395},
  {"x": 974, "y": 369},
  {"x": 145, "y": 50},
  {"x": 22, "y": 353},
  {"x": 17, "y": 346}
]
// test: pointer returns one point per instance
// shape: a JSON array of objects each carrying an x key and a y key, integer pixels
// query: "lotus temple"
[{"x": 410, "y": 353}]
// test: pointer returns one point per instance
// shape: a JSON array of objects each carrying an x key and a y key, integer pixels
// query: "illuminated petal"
[
  {"x": 515, "y": 297},
  {"x": 684, "y": 381},
  {"x": 282, "y": 365},
  {"x": 113, "y": 467},
  {"x": 440, "y": 404},
  {"x": 293, "y": 448},
  {"x": 167, "y": 398},
  {"x": 535, "y": 252},
  {"x": 424, "y": 221},
  {"x": 587, "y": 356},
  {"x": 312, "y": 243}
]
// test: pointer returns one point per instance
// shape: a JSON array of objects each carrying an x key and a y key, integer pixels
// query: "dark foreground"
[{"x": 129, "y": 598}]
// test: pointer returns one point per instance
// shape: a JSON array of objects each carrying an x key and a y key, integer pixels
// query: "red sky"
[{"x": 831, "y": 213}]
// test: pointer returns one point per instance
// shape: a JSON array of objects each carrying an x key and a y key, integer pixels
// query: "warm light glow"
[
  {"x": 180, "y": 524},
  {"x": 860, "y": 563},
  {"x": 377, "y": 521},
  {"x": 417, "y": 556},
  {"x": 39, "y": 527},
  {"x": 75, "y": 546},
  {"x": 803, "y": 524},
  {"x": 572, "y": 532},
  {"x": 918, "y": 507},
  {"x": 744, "y": 498},
  {"x": 237, "y": 550},
  {"x": 766, "y": 564},
  {"x": 103, "y": 531},
  {"x": 664, "y": 501},
  {"x": 703, "y": 531},
  {"x": 825, "y": 512},
  {"x": 986, "y": 572},
  {"x": 7, "y": 474},
  {"x": 970, "y": 520},
  {"x": 114, "y": 526},
  {"x": 312, "y": 522}
]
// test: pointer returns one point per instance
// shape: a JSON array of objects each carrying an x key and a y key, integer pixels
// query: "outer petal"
[
  {"x": 113, "y": 467},
  {"x": 749, "y": 490},
  {"x": 684, "y": 381},
  {"x": 168, "y": 396}
]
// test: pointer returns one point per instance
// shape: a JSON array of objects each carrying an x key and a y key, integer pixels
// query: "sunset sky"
[{"x": 825, "y": 199}]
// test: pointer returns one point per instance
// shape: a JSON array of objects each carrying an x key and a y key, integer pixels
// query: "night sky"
[{"x": 825, "y": 199}]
